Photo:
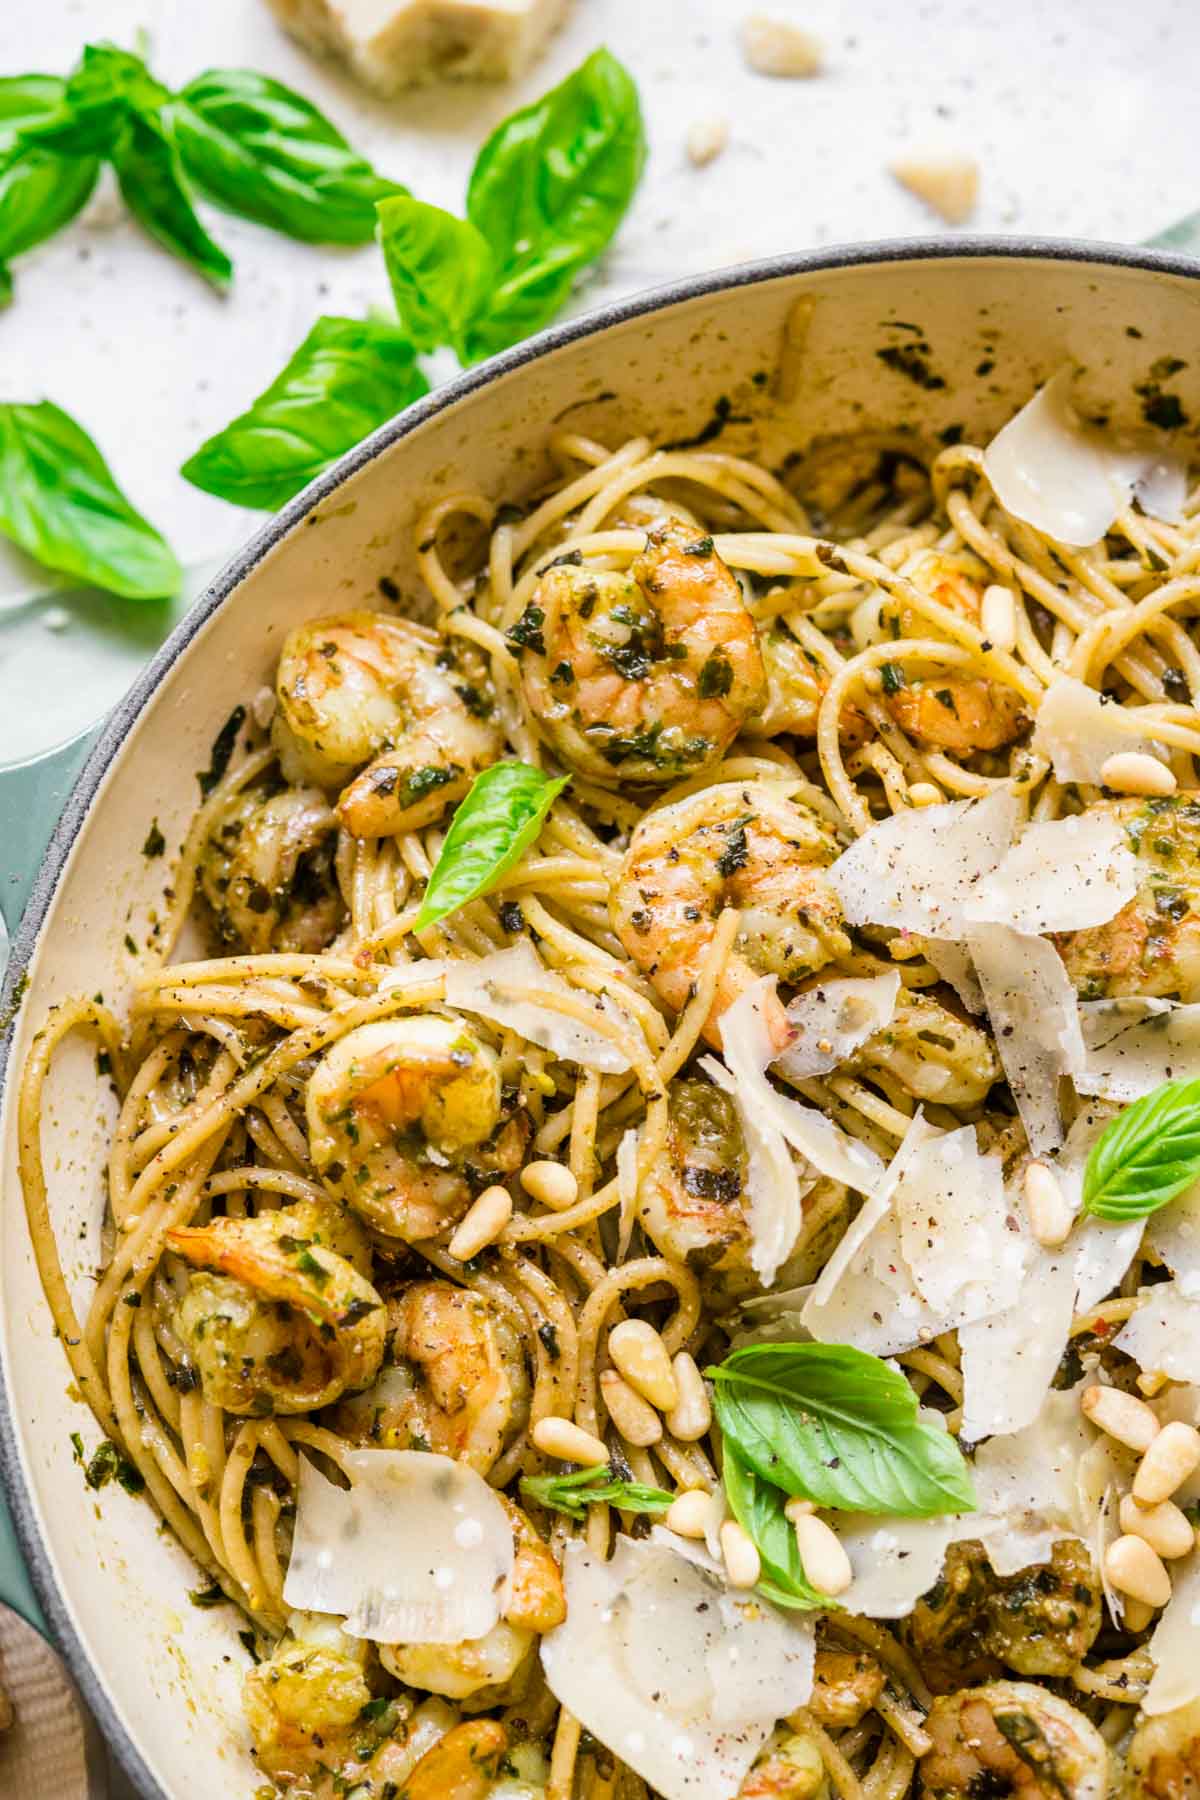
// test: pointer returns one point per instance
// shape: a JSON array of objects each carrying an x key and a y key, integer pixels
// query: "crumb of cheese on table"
[
  {"x": 948, "y": 184},
  {"x": 394, "y": 44}
]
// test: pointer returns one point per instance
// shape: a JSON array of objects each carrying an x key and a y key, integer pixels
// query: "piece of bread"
[{"x": 395, "y": 44}]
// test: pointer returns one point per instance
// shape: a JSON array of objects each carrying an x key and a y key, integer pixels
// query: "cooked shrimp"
[
  {"x": 304, "y": 1704},
  {"x": 643, "y": 676},
  {"x": 280, "y": 1320},
  {"x": 846, "y": 1685},
  {"x": 953, "y": 715},
  {"x": 463, "y": 1766},
  {"x": 692, "y": 1208},
  {"x": 1011, "y": 1737},
  {"x": 400, "y": 1113},
  {"x": 1152, "y": 946},
  {"x": 1041, "y": 1621},
  {"x": 738, "y": 844},
  {"x": 1163, "y": 1762},
  {"x": 796, "y": 685},
  {"x": 789, "y": 1767},
  {"x": 266, "y": 871},
  {"x": 932, "y": 1053},
  {"x": 358, "y": 688},
  {"x": 491, "y": 1669},
  {"x": 456, "y": 1380}
]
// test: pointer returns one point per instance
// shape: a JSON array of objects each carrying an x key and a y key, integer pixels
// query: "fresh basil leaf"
[
  {"x": 59, "y": 502},
  {"x": 573, "y": 1494},
  {"x": 1149, "y": 1153},
  {"x": 259, "y": 149},
  {"x": 548, "y": 191},
  {"x": 441, "y": 271},
  {"x": 758, "y": 1509},
  {"x": 839, "y": 1427},
  {"x": 109, "y": 87},
  {"x": 40, "y": 188},
  {"x": 152, "y": 184},
  {"x": 348, "y": 377},
  {"x": 492, "y": 829}
]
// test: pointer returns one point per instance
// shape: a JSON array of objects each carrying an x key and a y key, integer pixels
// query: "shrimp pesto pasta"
[{"x": 655, "y": 1251}]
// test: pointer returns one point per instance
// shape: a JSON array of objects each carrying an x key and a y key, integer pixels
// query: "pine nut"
[
  {"x": 743, "y": 1565},
  {"x": 1168, "y": 1462},
  {"x": 998, "y": 617},
  {"x": 798, "y": 1509},
  {"x": 923, "y": 793},
  {"x": 1165, "y": 1527},
  {"x": 1050, "y": 1212},
  {"x": 552, "y": 1184},
  {"x": 642, "y": 1358},
  {"x": 706, "y": 139},
  {"x": 872, "y": 680},
  {"x": 691, "y": 1415},
  {"x": 1136, "y": 1615},
  {"x": 568, "y": 1442},
  {"x": 633, "y": 1417},
  {"x": 1135, "y": 1569},
  {"x": 774, "y": 46},
  {"x": 1135, "y": 772},
  {"x": 1123, "y": 1416},
  {"x": 825, "y": 1561},
  {"x": 482, "y": 1225},
  {"x": 688, "y": 1514}
]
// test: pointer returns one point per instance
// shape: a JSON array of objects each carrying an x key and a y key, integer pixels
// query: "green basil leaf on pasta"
[
  {"x": 59, "y": 502},
  {"x": 758, "y": 1509},
  {"x": 441, "y": 270},
  {"x": 573, "y": 1494},
  {"x": 41, "y": 189},
  {"x": 840, "y": 1428},
  {"x": 153, "y": 188},
  {"x": 259, "y": 149},
  {"x": 549, "y": 189},
  {"x": 1147, "y": 1156},
  {"x": 492, "y": 829},
  {"x": 347, "y": 377}
]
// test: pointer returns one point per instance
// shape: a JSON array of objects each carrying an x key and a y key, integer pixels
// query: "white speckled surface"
[{"x": 1080, "y": 114}]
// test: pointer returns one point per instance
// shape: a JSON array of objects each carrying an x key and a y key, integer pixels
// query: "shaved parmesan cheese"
[
  {"x": 1105, "y": 1470},
  {"x": 772, "y": 1195},
  {"x": 418, "y": 1550},
  {"x": 748, "y": 1050},
  {"x": 1174, "y": 1232},
  {"x": 894, "y": 1561},
  {"x": 680, "y": 1678},
  {"x": 1163, "y": 1335},
  {"x": 1176, "y": 1678},
  {"x": 918, "y": 870},
  {"x": 1029, "y": 1479},
  {"x": 1063, "y": 875},
  {"x": 871, "y": 1211},
  {"x": 953, "y": 963},
  {"x": 1009, "y": 1360},
  {"x": 1078, "y": 729},
  {"x": 832, "y": 1020},
  {"x": 1031, "y": 1005},
  {"x": 1068, "y": 479},
  {"x": 488, "y": 984},
  {"x": 1102, "y": 1250},
  {"x": 1132, "y": 1046},
  {"x": 970, "y": 1262}
]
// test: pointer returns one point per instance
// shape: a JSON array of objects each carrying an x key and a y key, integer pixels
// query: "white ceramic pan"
[{"x": 939, "y": 337}]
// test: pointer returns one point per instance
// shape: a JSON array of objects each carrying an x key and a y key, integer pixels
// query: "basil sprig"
[
  {"x": 548, "y": 191},
  {"x": 838, "y": 1427},
  {"x": 248, "y": 143},
  {"x": 573, "y": 1494},
  {"x": 347, "y": 377},
  {"x": 1147, "y": 1156},
  {"x": 41, "y": 190},
  {"x": 59, "y": 502},
  {"x": 492, "y": 829},
  {"x": 758, "y": 1508},
  {"x": 259, "y": 149}
]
